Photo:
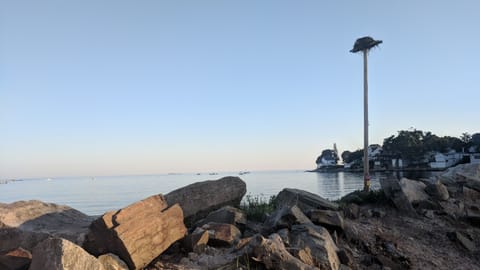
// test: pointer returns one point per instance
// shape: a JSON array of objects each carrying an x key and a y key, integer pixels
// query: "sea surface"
[{"x": 96, "y": 195}]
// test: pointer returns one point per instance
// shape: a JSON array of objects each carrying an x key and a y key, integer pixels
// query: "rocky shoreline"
[{"x": 426, "y": 224}]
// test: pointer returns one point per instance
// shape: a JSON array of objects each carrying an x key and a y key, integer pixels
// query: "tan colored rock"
[
  {"x": 221, "y": 234},
  {"x": 199, "y": 199},
  {"x": 40, "y": 217},
  {"x": 137, "y": 233},
  {"x": 61, "y": 254},
  {"x": 112, "y": 262},
  {"x": 272, "y": 253},
  {"x": 413, "y": 190},
  {"x": 196, "y": 241},
  {"x": 315, "y": 241}
]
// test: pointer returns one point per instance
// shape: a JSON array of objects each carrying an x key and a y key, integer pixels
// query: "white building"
[
  {"x": 442, "y": 161},
  {"x": 328, "y": 158},
  {"x": 374, "y": 150},
  {"x": 475, "y": 158}
]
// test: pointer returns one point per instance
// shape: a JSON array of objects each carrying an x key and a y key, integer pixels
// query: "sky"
[{"x": 90, "y": 88}]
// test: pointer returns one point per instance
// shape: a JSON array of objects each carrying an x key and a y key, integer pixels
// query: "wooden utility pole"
[
  {"x": 366, "y": 164},
  {"x": 364, "y": 45}
]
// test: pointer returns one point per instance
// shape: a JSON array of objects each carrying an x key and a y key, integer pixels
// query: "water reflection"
[
  {"x": 338, "y": 184},
  {"x": 411, "y": 174}
]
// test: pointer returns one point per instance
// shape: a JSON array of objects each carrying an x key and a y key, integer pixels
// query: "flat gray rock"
[
  {"x": 199, "y": 199},
  {"x": 304, "y": 200},
  {"x": 49, "y": 218}
]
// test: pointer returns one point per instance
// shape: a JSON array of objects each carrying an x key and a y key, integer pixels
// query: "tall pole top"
[{"x": 364, "y": 44}]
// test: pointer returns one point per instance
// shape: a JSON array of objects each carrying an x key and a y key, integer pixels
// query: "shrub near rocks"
[{"x": 258, "y": 208}]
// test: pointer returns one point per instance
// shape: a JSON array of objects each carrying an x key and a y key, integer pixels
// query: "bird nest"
[{"x": 364, "y": 44}]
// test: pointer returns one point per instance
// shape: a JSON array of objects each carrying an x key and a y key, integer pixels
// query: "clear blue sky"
[{"x": 137, "y": 87}]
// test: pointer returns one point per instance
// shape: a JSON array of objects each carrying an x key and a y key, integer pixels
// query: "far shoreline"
[{"x": 340, "y": 168}]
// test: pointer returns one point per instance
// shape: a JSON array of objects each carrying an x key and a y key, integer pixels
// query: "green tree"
[
  {"x": 466, "y": 138},
  {"x": 348, "y": 156},
  {"x": 407, "y": 144},
  {"x": 345, "y": 155},
  {"x": 413, "y": 145},
  {"x": 476, "y": 139}
]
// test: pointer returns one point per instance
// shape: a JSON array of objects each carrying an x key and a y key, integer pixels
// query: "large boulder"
[
  {"x": 199, "y": 199},
  {"x": 413, "y": 190},
  {"x": 470, "y": 170},
  {"x": 228, "y": 215},
  {"x": 285, "y": 217},
  {"x": 220, "y": 234},
  {"x": 438, "y": 191},
  {"x": 12, "y": 238},
  {"x": 196, "y": 241},
  {"x": 304, "y": 200},
  {"x": 59, "y": 254},
  {"x": 40, "y": 217},
  {"x": 329, "y": 219},
  {"x": 24, "y": 224},
  {"x": 465, "y": 174},
  {"x": 314, "y": 245},
  {"x": 137, "y": 233},
  {"x": 112, "y": 262},
  {"x": 393, "y": 191},
  {"x": 272, "y": 253}
]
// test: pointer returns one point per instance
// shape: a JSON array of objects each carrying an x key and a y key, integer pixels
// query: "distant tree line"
[{"x": 413, "y": 145}]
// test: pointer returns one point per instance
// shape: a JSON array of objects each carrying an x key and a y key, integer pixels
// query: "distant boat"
[
  {"x": 213, "y": 173},
  {"x": 49, "y": 179},
  {"x": 244, "y": 172}
]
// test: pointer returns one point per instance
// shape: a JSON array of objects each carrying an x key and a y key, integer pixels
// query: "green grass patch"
[{"x": 258, "y": 207}]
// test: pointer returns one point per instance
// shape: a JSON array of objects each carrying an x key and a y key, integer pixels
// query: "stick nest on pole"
[{"x": 364, "y": 44}]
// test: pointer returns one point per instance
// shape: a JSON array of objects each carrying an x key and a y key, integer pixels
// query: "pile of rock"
[
  {"x": 200, "y": 227},
  {"x": 38, "y": 235},
  {"x": 455, "y": 193},
  {"x": 294, "y": 236},
  {"x": 151, "y": 234}
]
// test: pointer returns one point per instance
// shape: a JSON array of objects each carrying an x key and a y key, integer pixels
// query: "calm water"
[{"x": 97, "y": 195}]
